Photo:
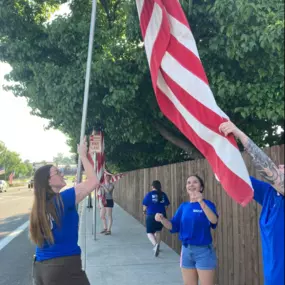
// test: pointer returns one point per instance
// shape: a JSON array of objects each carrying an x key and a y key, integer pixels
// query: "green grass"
[
  {"x": 23, "y": 182},
  {"x": 19, "y": 182},
  {"x": 69, "y": 177}
]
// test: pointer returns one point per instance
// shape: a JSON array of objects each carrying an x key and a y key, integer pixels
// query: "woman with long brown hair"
[{"x": 54, "y": 225}]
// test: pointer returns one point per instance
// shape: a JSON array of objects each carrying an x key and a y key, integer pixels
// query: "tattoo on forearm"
[{"x": 265, "y": 166}]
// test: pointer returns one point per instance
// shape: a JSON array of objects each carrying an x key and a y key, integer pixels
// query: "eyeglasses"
[{"x": 58, "y": 172}]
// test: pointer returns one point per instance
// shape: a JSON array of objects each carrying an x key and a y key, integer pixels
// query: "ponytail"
[{"x": 157, "y": 185}]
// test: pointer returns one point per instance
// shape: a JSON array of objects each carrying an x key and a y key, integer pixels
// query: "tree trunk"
[{"x": 178, "y": 140}]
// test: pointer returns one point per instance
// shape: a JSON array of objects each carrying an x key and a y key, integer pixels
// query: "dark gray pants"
[{"x": 60, "y": 271}]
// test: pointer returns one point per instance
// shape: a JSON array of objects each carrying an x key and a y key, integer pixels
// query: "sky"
[{"x": 23, "y": 133}]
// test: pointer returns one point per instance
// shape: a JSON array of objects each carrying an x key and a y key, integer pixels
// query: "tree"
[
  {"x": 60, "y": 159},
  {"x": 29, "y": 167},
  {"x": 49, "y": 61},
  {"x": 11, "y": 161}
]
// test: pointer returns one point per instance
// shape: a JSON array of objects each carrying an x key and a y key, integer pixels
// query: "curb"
[{"x": 81, "y": 236}]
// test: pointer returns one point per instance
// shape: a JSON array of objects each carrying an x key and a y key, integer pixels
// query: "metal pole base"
[{"x": 89, "y": 206}]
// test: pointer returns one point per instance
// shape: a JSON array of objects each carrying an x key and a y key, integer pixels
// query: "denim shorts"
[{"x": 198, "y": 257}]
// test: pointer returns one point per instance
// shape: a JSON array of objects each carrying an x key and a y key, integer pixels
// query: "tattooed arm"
[{"x": 264, "y": 165}]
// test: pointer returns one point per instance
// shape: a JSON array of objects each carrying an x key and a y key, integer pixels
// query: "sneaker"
[
  {"x": 107, "y": 233},
  {"x": 103, "y": 232},
  {"x": 156, "y": 250}
]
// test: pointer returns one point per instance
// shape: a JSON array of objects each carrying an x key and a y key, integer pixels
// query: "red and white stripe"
[
  {"x": 11, "y": 176},
  {"x": 98, "y": 162},
  {"x": 114, "y": 177},
  {"x": 183, "y": 93},
  {"x": 98, "y": 159}
]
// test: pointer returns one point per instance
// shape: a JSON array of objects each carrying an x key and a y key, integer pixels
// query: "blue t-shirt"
[
  {"x": 65, "y": 236},
  {"x": 192, "y": 223},
  {"x": 153, "y": 205},
  {"x": 271, "y": 224}
]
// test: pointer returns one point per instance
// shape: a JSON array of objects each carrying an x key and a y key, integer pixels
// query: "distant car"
[
  {"x": 31, "y": 184},
  {"x": 3, "y": 186}
]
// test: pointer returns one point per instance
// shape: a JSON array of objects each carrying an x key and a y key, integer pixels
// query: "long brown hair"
[
  {"x": 157, "y": 186},
  {"x": 47, "y": 206}
]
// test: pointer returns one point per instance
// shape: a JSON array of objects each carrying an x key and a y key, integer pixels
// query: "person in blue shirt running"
[
  {"x": 54, "y": 225},
  {"x": 193, "y": 221},
  {"x": 155, "y": 202},
  {"x": 270, "y": 195}
]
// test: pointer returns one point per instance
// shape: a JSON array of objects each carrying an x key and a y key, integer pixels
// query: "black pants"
[
  {"x": 110, "y": 203},
  {"x": 60, "y": 271},
  {"x": 152, "y": 226}
]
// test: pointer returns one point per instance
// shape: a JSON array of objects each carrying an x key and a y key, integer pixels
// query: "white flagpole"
[
  {"x": 87, "y": 83},
  {"x": 95, "y": 200}
]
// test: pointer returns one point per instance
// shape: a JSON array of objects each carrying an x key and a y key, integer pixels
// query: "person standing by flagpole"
[
  {"x": 54, "y": 224},
  {"x": 106, "y": 211}
]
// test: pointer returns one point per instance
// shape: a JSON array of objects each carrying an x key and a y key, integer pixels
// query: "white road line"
[
  {"x": 13, "y": 199},
  {"x": 14, "y": 195},
  {"x": 10, "y": 200},
  {"x": 6, "y": 240}
]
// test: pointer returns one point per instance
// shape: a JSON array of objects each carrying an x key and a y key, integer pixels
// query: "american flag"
[
  {"x": 99, "y": 158},
  {"x": 183, "y": 93},
  {"x": 114, "y": 177},
  {"x": 98, "y": 162},
  {"x": 11, "y": 176},
  {"x": 2, "y": 170}
]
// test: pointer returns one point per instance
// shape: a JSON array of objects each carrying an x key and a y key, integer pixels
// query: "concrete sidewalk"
[{"x": 125, "y": 257}]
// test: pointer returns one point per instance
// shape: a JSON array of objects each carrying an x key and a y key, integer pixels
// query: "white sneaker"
[{"x": 156, "y": 250}]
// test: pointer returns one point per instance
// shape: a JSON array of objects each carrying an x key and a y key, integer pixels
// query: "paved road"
[{"x": 16, "y": 256}]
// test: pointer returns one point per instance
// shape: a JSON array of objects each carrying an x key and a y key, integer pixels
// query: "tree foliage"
[
  {"x": 11, "y": 161},
  {"x": 241, "y": 45},
  {"x": 60, "y": 159}
]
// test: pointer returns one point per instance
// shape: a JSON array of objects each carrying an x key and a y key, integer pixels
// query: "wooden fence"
[{"x": 236, "y": 239}]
